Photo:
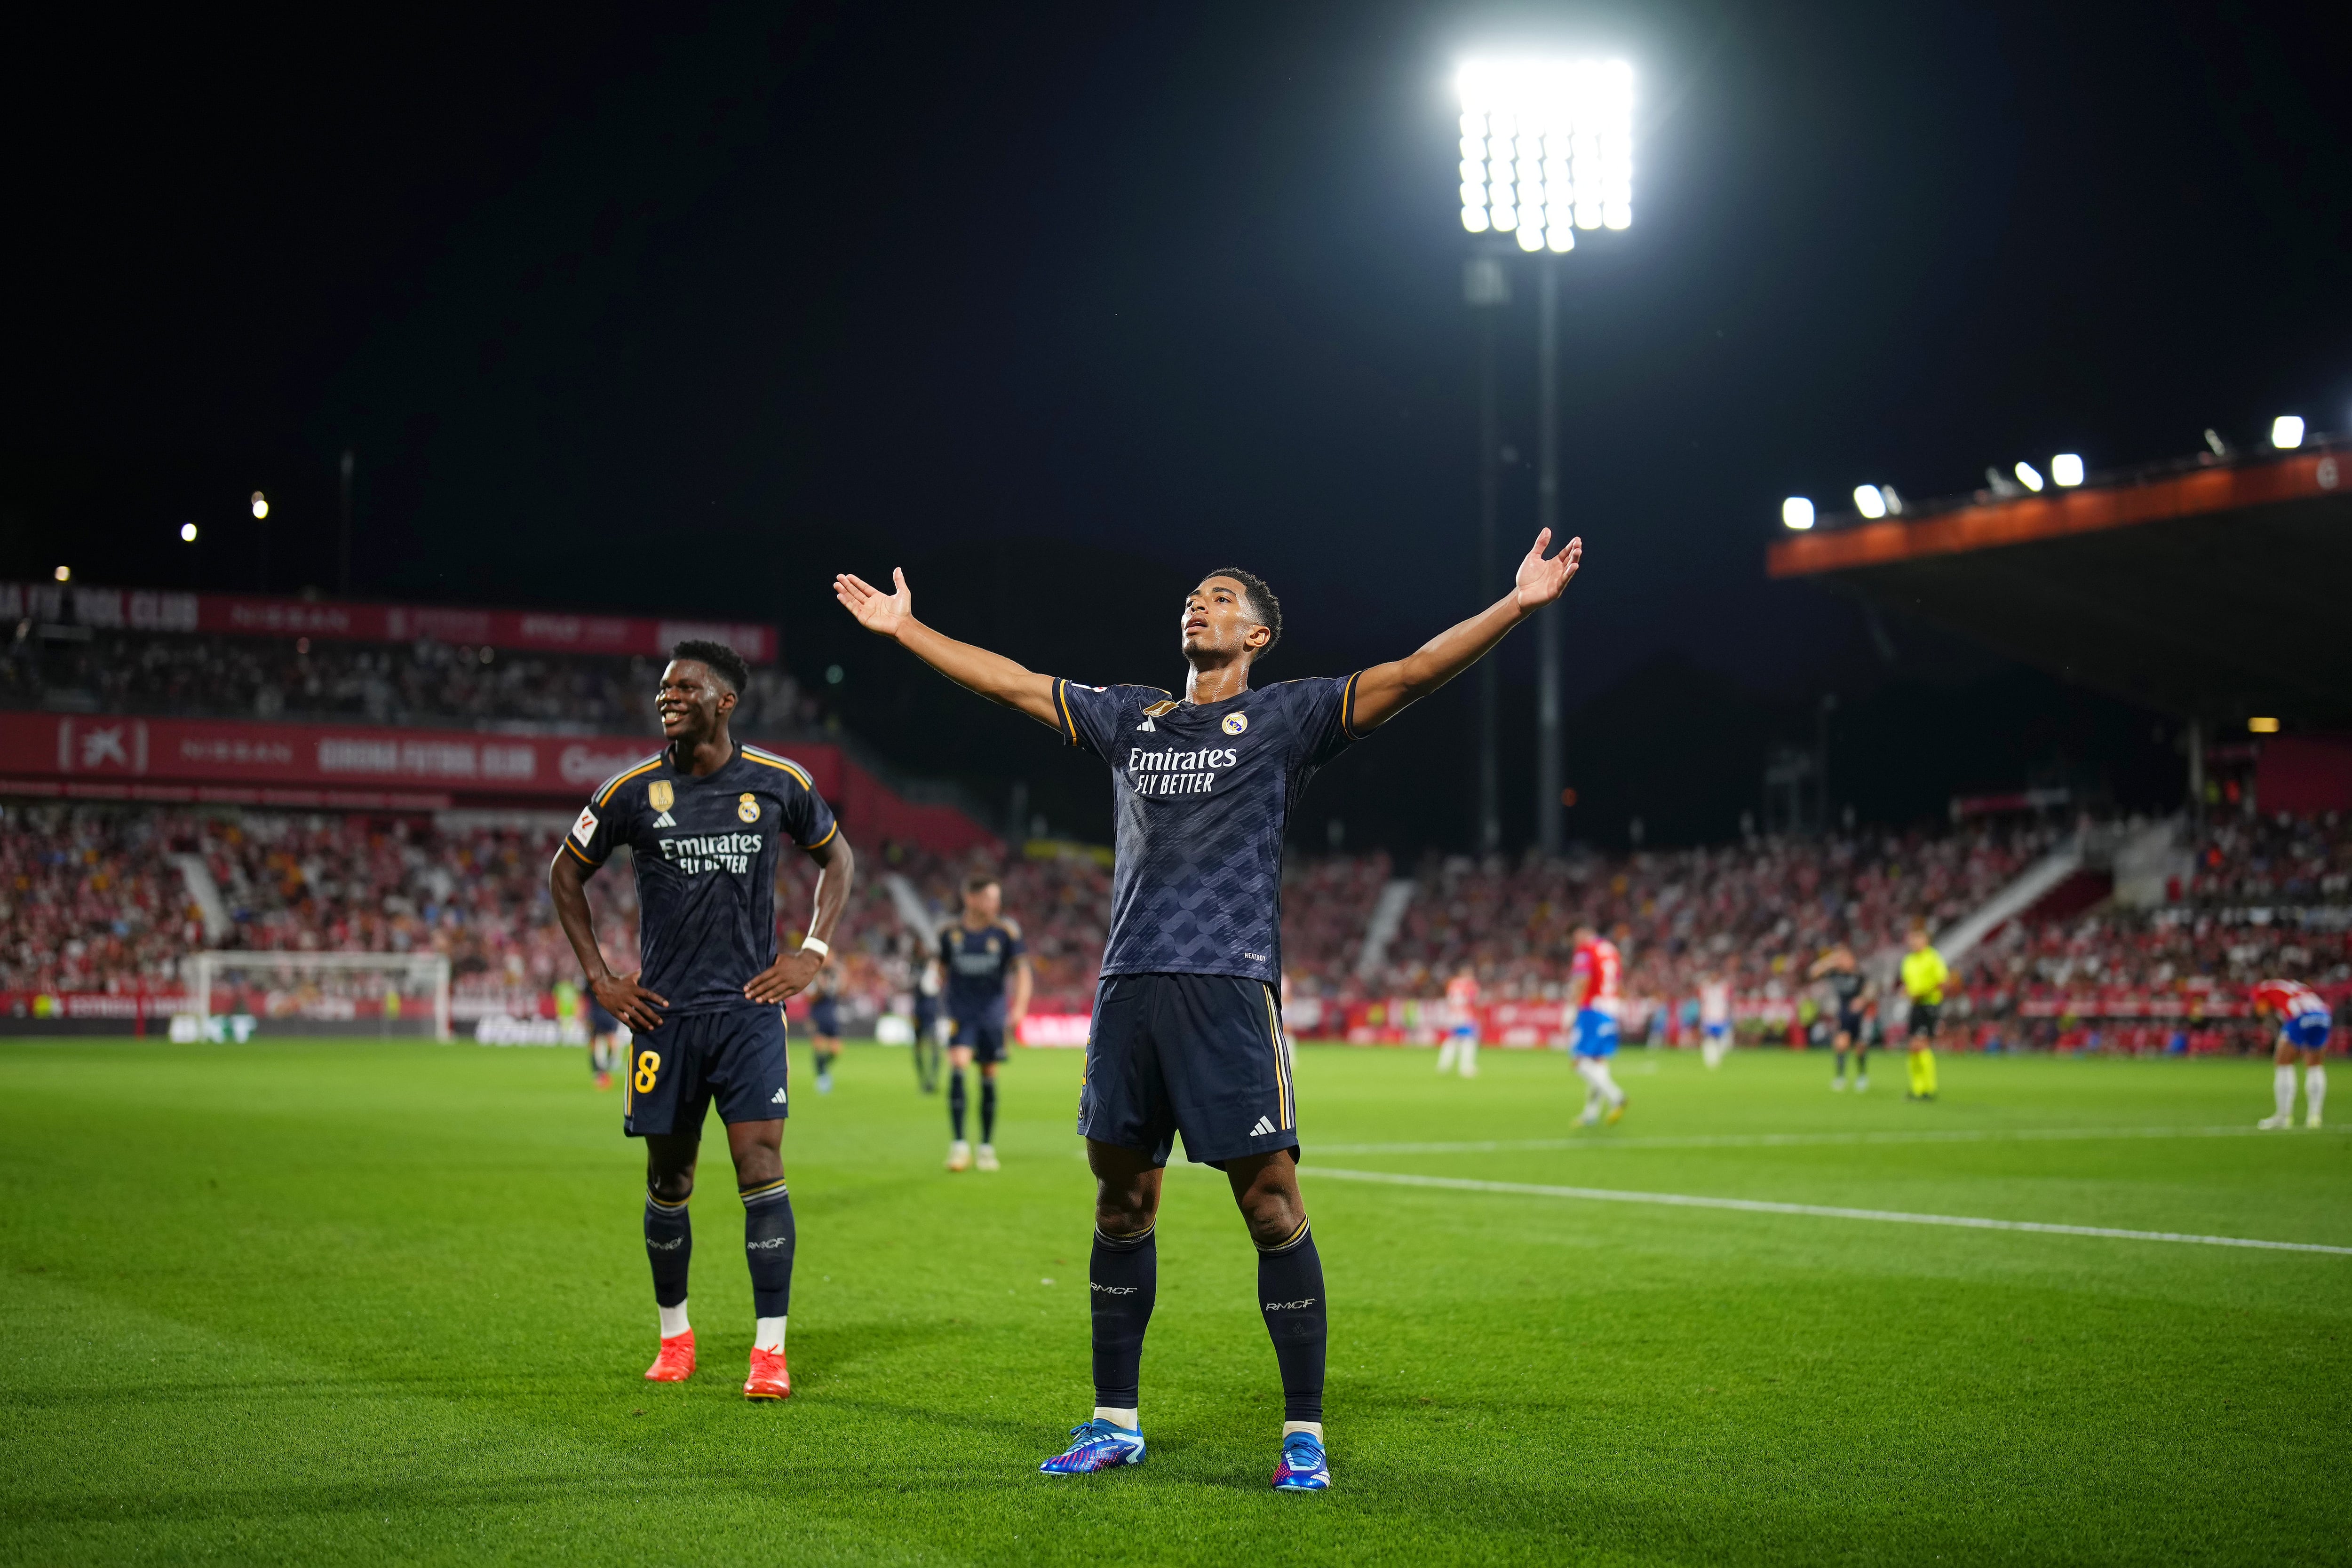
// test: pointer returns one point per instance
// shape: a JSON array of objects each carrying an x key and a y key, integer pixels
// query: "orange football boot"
[
  {"x": 769, "y": 1380},
  {"x": 676, "y": 1362}
]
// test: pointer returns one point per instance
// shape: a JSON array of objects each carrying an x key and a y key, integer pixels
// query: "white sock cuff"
[
  {"x": 673, "y": 1319},
  {"x": 768, "y": 1334},
  {"x": 1312, "y": 1428},
  {"x": 1130, "y": 1420}
]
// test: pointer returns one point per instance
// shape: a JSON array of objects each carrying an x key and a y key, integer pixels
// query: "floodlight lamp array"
[{"x": 1546, "y": 149}]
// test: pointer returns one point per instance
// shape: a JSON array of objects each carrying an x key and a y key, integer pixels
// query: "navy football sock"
[
  {"x": 956, "y": 1102},
  {"x": 769, "y": 1235},
  {"x": 1290, "y": 1293},
  {"x": 1123, "y": 1278},
  {"x": 670, "y": 1246},
  {"x": 987, "y": 1109}
]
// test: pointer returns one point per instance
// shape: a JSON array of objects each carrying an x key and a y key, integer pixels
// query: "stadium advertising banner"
[
  {"x": 379, "y": 768},
  {"x": 344, "y": 620}
]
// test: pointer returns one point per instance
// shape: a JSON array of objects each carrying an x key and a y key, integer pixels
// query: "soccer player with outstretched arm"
[
  {"x": 1187, "y": 1034},
  {"x": 705, "y": 819}
]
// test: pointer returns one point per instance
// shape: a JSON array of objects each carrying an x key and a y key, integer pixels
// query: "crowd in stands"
[
  {"x": 95, "y": 898},
  {"x": 422, "y": 683}
]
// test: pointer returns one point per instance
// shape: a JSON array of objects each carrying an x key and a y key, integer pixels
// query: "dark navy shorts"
[
  {"x": 736, "y": 1058},
  {"x": 825, "y": 1018},
  {"x": 984, "y": 1035},
  {"x": 599, "y": 1021},
  {"x": 1202, "y": 1055},
  {"x": 1923, "y": 1019}
]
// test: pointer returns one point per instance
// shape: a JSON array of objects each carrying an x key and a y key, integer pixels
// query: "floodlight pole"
[
  {"x": 1549, "y": 783},
  {"x": 1485, "y": 287}
]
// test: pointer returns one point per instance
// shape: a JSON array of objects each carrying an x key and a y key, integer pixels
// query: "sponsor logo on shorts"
[
  {"x": 1262, "y": 1129},
  {"x": 779, "y": 1098}
]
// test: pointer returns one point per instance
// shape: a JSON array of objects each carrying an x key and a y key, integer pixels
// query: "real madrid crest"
[
  {"x": 1235, "y": 723},
  {"x": 660, "y": 795},
  {"x": 748, "y": 808}
]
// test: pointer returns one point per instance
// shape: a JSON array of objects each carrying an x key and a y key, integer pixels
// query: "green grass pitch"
[{"x": 319, "y": 1302}]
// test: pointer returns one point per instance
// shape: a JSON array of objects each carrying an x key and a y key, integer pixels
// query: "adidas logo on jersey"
[
  {"x": 664, "y": 820},
  {"x": 1146, "y": 724},
  {"x": 1262, "y": 1129}
]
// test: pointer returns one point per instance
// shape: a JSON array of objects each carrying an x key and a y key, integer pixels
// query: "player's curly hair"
[
  {"x": 719, "y": 658},
  {"x": 1263, "y": 605}
]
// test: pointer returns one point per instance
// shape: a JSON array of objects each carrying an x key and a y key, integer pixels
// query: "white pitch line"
[
  {"x": 1814, "y": 1210},
  {"x": 1798, "y": 1140}
]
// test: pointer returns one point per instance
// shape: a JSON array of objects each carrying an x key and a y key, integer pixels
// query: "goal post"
[{"x": 320, "y": 993}]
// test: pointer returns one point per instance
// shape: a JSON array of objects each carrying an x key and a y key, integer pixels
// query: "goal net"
[{"x": 234, "y": 994}]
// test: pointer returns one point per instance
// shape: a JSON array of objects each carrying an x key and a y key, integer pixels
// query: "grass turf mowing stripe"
[
  {"x": 1803, "y": 1140},
  {"x": 1818, "y": 1211}
]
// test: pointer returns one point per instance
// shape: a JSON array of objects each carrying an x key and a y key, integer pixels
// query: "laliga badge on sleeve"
[{"x": 585, "y": 828}]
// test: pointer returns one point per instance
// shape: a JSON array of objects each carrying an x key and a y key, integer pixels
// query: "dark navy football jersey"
[
  {"x": 978, "y": 965},
  {"x": 1201, "y": 796},
  {"x": 706, "y": 858}
]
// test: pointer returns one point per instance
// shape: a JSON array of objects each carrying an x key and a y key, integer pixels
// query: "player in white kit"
[{"x": 1714, "y": 1019}]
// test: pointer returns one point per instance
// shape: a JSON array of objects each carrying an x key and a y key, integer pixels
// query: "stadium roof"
[{"x": 2211, "y": 591}]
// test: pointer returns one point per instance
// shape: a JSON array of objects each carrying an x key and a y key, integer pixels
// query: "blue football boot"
[
  {"x": 1100, "y": 1444},
  {"x": 1303, "y": 1467}
]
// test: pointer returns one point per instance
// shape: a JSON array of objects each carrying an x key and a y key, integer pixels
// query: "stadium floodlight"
[
  {"x": 2286, "y": 432},
  {"x": 1797, "y": 512},
  {"x": 2030, "y": 476},
  {"x": 2067, "y": 470},
  {"x": 63, "y": 574},
  {"x": 1547, "y": 148},
  {"x": 260, "y": 505},
  {"x": 2262, "y": 726},
  {"x": 1868, "y": 501},
  {"x": 187, "y": 533}
]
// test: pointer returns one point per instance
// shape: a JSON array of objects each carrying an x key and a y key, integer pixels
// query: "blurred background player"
[
  {"x": 1841, "y": 973},
  {"x": 1460, "y": 1050},
  {"x": 1924, "y": 975},
  {"x": 2304, "y": 1023},
  {"x": 604, "y": 1042},
  {"x": 983, "y": 956},
  {"x": 706, "y": 821},
  {"x": 1592, "y": 999},
  {"x": 825, "y": 1025},
  {"x": 929, "y": 1028},
  {"x": 1714, "y": 1019}
]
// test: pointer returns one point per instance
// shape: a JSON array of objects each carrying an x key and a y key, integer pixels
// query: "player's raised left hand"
[
  {"x": 787, "y": 977},
  {"x": 880, "y": 614},
  {"x": 1540, "y": 582}
]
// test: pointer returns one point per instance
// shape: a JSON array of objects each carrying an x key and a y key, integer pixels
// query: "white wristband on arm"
[{"x": 811, "y": 945}]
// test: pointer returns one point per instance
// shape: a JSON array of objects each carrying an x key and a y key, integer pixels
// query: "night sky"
[{"x": 1058, "y": 309}]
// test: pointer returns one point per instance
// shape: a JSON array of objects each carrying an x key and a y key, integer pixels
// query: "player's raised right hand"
[
  {"x": 879, "y": 612},
  {"x": 621, "y": 996}
]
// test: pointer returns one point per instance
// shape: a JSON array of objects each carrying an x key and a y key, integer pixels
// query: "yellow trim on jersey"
[
  {"x": 583, "y": 858},
  {"x": 1284, "y": 1106},
  {"x": 828, "y": 836},
  {"x": 647, "y": 766},
  {"x": 778, "y": 762},
  {"x": 1069, "y": 725},
  {"x": 1348, "y": 706}
]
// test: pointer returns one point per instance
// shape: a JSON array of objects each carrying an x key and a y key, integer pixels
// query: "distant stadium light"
[
  {"x": 2286, "y": 432},
  {"x": 187, "y": 533},
  {"x": 2066, "y": 470},
  {"x": 1797, "y": 512},
  {"x": 2262, "y": 726},
  {"x": 1547, "y": 148},
  {"x": 1868, "y": 501},
  {"x": 63, "y": 574},
  {"x": 260, "y": 505},
  {"x": 2030, "y": 476}
]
